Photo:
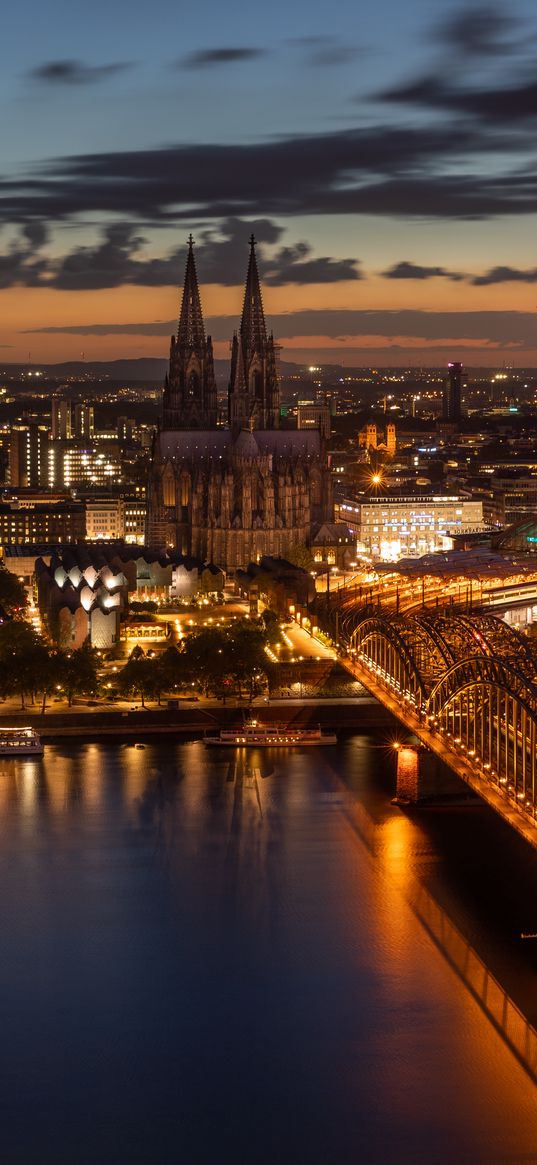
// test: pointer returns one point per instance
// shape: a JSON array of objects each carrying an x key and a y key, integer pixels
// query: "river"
[{"x": 209, "y": 958}]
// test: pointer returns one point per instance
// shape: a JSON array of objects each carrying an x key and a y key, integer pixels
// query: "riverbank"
[{"x": 352, "y": 715}]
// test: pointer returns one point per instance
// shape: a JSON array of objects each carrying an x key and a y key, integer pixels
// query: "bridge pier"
[{"x": 422, "y": 776}]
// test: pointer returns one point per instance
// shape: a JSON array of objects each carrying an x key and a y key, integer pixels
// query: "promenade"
[{"x": 125, "y": 719}]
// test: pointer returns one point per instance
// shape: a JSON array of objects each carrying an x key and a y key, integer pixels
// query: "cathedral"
[{"x": 232, "y": 494}]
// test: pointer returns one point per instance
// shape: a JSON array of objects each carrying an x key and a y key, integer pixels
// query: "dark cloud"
[
  {"x": 72, "y": 72},
  {"x": 499, "y": 105},
  {"x": 292, "y": 265},
  {"x": 22, "y": 264},
  {"x": 158, "y": 328},
  {"x": 108, "y": 264},
  {"x": 35, "y": 233},
  {"x": 459, "y": 83},
  {"x": 484, "y": 30},
  {"x": 505, "y": 275},
  {"x": 221, "y": 56},
  {"x": 118, "y": 259},
  {"x": 374, "y": 170},
  {"x": 407, "y": 270},
  {"x": 488, "y": 328}
]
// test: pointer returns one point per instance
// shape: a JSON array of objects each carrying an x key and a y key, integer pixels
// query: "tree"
[
  {"x": 173, "y": 670},
  {"x": 12, "y": 594},
  {"x": 139, "y": 677},
  {"x": 21, "y": 654},
  {"x": 271, "y": 626},
  {"x": 301, "y": 556},
  {"x": 247, "y": 657},
  {"x": 46, "y": 672},
  {"x": 206, "y": 655},
  {"x": 78, "y": 673}
]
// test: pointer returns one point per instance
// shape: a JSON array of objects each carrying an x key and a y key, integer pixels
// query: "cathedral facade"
[{"x": 232, "y": 494}]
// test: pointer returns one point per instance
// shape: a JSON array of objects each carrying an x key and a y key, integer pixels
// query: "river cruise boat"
[
  {"x": 20, "y": 742},
  {"x": 254, "y": 734}
]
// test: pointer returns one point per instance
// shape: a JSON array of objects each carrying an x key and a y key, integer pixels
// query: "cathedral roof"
[
  {"x": 289, "y": 442},
  {"x": 215, "y": 443},
  {"x": 193, "y": 442}
]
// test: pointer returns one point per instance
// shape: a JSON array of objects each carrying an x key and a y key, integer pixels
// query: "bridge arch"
[
  {"x": 381, "y": 643},
  {"x": 486, "y": 708}
]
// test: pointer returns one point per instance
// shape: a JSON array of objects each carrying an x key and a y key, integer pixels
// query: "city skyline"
[{"x": 387, "y": 171}]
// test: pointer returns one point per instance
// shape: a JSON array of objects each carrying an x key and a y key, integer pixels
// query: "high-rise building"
[
  {"x": 28, "y": 455},
  {"x": 84, "y": 426},
  {"x": 231, "y": 495},
  {"x": 452, "y": 394},
  {"x": 61, "y": 419}
]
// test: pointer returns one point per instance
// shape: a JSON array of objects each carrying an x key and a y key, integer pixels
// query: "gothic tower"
[
  {"x": 254, "y": 394},
  {"x": 189, "y": 400}
]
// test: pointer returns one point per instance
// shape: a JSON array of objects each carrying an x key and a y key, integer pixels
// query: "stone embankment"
[{"x": 349, "y": 716}]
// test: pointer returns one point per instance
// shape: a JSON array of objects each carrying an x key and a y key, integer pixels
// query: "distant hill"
[{"x": 145, "y": 368}]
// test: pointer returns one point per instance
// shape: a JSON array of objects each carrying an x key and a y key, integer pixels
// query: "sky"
[{"x": 384, "y": 156}]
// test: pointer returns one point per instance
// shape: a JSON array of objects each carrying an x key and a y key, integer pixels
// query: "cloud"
[
  {"x": 22, "y": 264},
  {"x": 505, "y": 275},
  {"x": 118, "y": 258},
  {"x": 475, "y": 44},
  {"x": 222, "y": 257},
  {"x": 204, "y": 58},
  {"x": 499, "y": 105},
  {"x": 482, "y": 31},
  {"x": 35, "y": 233},
  {"x": 291, "y": 265},
  {"x": 324, "y": 50},
  {"x": 421, "y": 171},
  {"x": 495, "y": 329},
  {"x": 407, "y": 270},
  {"x": 73, "y": 72},
  {"x": 158, "y": 328}
]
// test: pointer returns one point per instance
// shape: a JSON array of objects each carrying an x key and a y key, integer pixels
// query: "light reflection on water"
[{"x": 203, "y": 958}]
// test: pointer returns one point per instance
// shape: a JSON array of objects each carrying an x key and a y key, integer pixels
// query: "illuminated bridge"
[{"x": 466, "y": 685}]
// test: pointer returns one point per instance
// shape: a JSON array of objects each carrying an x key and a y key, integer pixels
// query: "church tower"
[
  {"x": 189, "y": 400},
  {"x": 254, "y": 394}
]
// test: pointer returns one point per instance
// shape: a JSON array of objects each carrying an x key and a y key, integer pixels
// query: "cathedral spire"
[
  {"x": 189, "y": 400},
  {"x": 191, "y": 332},
  {"x": 253, "y": 388},
  {"x": 252, "y": 330}
]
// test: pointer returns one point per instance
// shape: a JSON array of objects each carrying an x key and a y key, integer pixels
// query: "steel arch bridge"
[{"x": 467, "y": 686}]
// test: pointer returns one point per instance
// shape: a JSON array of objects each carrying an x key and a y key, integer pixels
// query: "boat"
[
  {"x": 20, "y": 742},
  {"x": 255, "y": 734}
]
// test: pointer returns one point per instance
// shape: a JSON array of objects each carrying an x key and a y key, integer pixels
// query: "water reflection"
[{"x": 198, "y": 946}]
